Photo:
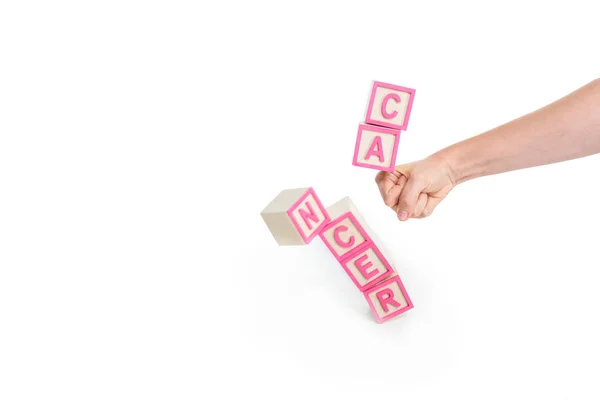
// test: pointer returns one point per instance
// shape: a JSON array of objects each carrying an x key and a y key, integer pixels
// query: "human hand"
[{"x": 414, "y": 190}]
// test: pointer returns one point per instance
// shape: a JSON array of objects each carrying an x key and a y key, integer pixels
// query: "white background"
[{"x": 139, "y": 141}]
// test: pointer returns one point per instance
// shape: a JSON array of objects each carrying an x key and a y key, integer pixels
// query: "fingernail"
[{"x": 403, "y": 215}]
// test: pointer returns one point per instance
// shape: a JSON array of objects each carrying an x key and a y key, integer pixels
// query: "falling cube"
[
  {"x": 388, "y": 299},
  {"x": 346, "y": 231},
  {"x": 390, "y": 105},
  {"x": 295, "y": 216},
  {"x": 367, "y": 266}
]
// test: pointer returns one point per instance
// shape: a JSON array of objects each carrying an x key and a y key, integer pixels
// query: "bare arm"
[{"x": 566, "y": 129}]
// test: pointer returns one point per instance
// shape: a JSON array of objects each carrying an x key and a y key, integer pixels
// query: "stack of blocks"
[
  {"x": 388, "y": 113},
  {"x": 297, "y": 216}
]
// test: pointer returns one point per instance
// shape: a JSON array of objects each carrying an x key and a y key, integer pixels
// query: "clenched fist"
[{"x": 414, "y": 190}]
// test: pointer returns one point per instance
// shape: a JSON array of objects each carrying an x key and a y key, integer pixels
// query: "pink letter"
[
  {"x": 388, "y": 299},
  {"x": 363, "y": 267},
  {"x": 306, "y": 216},
  {"x": 384, "y": 112},
  {"x": 376, "y": 149},
  {"x": 338, "y": 239}
]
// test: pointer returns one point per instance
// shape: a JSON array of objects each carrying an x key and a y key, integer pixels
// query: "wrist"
[{"x": 457, "y": 164}]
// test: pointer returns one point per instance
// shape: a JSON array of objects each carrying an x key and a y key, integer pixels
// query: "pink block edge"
[
  {"x": 318, "y": 229},
  {"x": 377, "y": 84},
  {"x": 389, "y": 269},
  {"x": 358, "y": 226},
  {"x": 395, "y": 313},
  {"x": 379, "y": 129}
]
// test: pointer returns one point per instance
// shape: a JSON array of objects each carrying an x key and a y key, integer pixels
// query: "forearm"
[{"x": 566, "y": 129}]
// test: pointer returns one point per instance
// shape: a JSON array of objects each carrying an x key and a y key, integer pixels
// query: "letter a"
[{"x": 376, "y": 150}]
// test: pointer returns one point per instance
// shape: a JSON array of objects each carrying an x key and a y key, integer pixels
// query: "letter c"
[
  {"x": 387, "y": 98},
  {"x": 338, "y": 239}
]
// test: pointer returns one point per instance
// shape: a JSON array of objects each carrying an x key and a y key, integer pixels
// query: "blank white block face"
[
  {"x": 367, "y": 266},
  {"x": 390, "y": 105},
  {"x": 344, "y": 235},
  {"x": 387, "y": 298},
  {"x": 376, "y": 147},
  {"x": 308, "y": 215}
]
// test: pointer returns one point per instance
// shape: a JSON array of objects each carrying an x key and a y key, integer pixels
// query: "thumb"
[{"x": 408, "y": 199}]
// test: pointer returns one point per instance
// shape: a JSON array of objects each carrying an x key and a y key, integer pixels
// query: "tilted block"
[
  {"x": 365, "y": 261},
  {"x": 390, "y": 105},
  {"x": 295, "y": 216},
  {"x": 388, "y": 299},
  {"x": 345, "y": 233},
  {"x": 345, "y": 205},
  {"x": 376, "y": 147},
  {"x": 366, "y": 266}
]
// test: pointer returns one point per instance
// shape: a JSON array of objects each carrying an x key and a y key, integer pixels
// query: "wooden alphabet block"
[
  {"x": 345, "y": 205},
  {"x": 366, "y": 266},
  {"x": 364, "y": 262},
  {"x": 346, "y": 232},
  {"x": 295, "y": 216},
  {"x": 390, "y": 105},
  {"x": 376, "y": 147},
  {"x": 388, "y": 299}
]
